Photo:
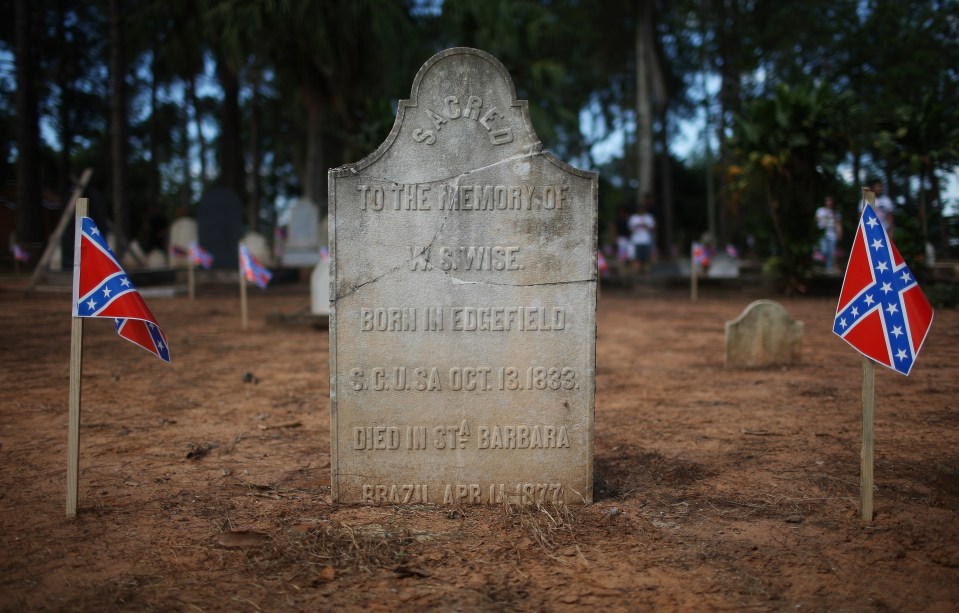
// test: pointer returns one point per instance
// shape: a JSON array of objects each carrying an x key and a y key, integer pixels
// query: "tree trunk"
[
  {"x": 644, "y": 104},
  {"x": 118, "y": 126},
  {"x": 66, "y": 125},
  {"x": 201, "y": 140},
  {"x": 231, "y": 152},
  {"x": 154, "y": 178},
  {"x": 186, "y": 187},
  {"x": 315, "y": 164},
  {"x": 729, "y": 90},
  {"x": 29, "y": 190},
  {"x": 666, "y": 181},
  {"x": 253, "y": 206}
]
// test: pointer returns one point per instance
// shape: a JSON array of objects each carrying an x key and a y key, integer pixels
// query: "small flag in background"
[
  {"x": 601, "y": 264},
  {"x": 19, "y": 253},
  {"x": 101, "y": 288},
  {"x": 700, "y": 255},
  {"x": 200, "y": 256},
  {"x": 252, "y": 269},
  {"x": 882, "y": 312}
]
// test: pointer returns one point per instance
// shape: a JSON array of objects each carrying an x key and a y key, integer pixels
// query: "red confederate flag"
[
  {"x": 102, "y": 289},
  {"x": 882, "y": 312}
]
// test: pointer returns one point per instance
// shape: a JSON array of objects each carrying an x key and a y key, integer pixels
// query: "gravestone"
[
  {"x": 183, "y": 231},
  {"x": 723, "y": 266},
  {"x": 302, "y": 245},
  {"x": 763, "y": 335},
  {"x": 462, "y": 333},
  {"x": 259, "y": 247},
  {"x": 320, "y": 287},
  {"x": 220, "y": 226}
]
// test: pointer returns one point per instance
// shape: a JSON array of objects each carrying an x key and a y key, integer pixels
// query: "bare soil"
[{"x": 204, "y": 484}]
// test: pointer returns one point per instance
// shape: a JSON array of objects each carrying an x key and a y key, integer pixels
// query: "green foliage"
[
  {"x": 327, "y": 75},
  {"x": 789, "y": 147},
  {"x": 942, "y": 295}
]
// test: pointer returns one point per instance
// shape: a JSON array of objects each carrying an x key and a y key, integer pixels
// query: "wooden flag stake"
[
  {"x": 868, "y": 416},
  {"x": 693, "y": 276},
  {"x": 76, "y": 371},
  {"x": 243, "y": 315},
  {"x": 191, "y": 277},
  {"x": 866, "y": 455}
]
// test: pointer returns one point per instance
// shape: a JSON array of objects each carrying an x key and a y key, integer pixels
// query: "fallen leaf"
[{"x": 327, "y": 574}]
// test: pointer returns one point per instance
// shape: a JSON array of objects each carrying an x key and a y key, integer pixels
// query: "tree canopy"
[{"x": 737, "y": 116}]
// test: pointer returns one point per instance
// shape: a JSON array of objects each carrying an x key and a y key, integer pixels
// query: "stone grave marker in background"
[
  {"x": 302, "y": 245},
  {"x": 183, "y": 231},
  {"x": 220, "y": 226},
  {"x": 723, "y": 266},
  {"x": 462, "y": 335},
  {"x": 763, "y": 335},
  {"x": 259, "y": 247},
  {"x": 320, "y": 288}
]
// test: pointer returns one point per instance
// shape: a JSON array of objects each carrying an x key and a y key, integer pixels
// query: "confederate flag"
[
  {"x": 253, "y": 270},
  {"x": 102, "y": 289},
  {"x": 882, "y": 312}
]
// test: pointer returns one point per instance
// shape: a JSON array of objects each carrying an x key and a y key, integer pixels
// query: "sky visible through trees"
[{"x": 795, "y": 100}]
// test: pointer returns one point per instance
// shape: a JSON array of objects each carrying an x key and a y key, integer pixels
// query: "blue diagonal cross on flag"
[
  {"x": 253, "y": 270},
  {"x": 882, "y": 312},
  {"x": 101, "y": 288}
]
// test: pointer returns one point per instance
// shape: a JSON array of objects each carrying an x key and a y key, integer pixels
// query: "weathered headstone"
[
  {"x": 763, "y": 335},
  {"x": 320, "y": 288},
  {"x": 183, "y": 232},
  {"x": 462, "y": 337},
  {"x": 219, "y": 222},
  {"x": 723, "y": 266},
  {"x": 259, "y": 247},
  {"x": 302, "y": 245}
]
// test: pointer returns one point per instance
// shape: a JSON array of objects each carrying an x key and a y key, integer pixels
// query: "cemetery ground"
[{"x": 204, "y": 484}]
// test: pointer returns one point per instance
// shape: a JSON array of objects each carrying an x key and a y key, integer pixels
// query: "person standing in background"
[
  {"x": 828, "y": 222},
  {"x": 642, "y": 226},
  {"x": 884, "y": 207}
]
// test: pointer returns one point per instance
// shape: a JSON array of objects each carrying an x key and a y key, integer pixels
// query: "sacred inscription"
[{"x": 463, "y": 304}]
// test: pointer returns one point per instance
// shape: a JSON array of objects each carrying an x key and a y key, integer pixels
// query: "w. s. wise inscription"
[{"x": 462, "y": 327}]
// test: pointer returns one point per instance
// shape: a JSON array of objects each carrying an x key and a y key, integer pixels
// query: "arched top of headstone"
[
  {"x": 763, "y": 335},
  {"x": 462, "y": 115}
]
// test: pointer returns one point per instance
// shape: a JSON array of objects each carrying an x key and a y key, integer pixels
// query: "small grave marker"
[{"x": 763, "y": 335}]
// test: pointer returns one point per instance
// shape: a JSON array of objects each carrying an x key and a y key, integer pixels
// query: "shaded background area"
[{"x": 738, "y": 117}]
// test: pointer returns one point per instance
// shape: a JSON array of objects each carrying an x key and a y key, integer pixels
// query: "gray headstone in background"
[
  {"x": 462, "y": 337},
  {"x": 302, "y": 245},
  {"x": 320, "y": 288},
  {"x": 259, "y": 247},
  {"x": 183, "y": 231},
  {"x": 723, "y": 266},
  {"x": 220, "y": 226},
  {"x": 763, "y": 335}
]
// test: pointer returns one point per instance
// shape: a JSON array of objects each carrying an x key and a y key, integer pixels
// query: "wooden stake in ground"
[
  {"x": 866, "y": 454},
  {"x": 243, "y": 312},
  {"x": 868, "y": 411},
  {"x": 191, "y": 277},
  {"x": 76, "y": 369},
  {"x": 693, "y": 275}
]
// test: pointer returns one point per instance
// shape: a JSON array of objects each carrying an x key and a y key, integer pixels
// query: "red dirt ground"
[{"x": 204, "y": 484}]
